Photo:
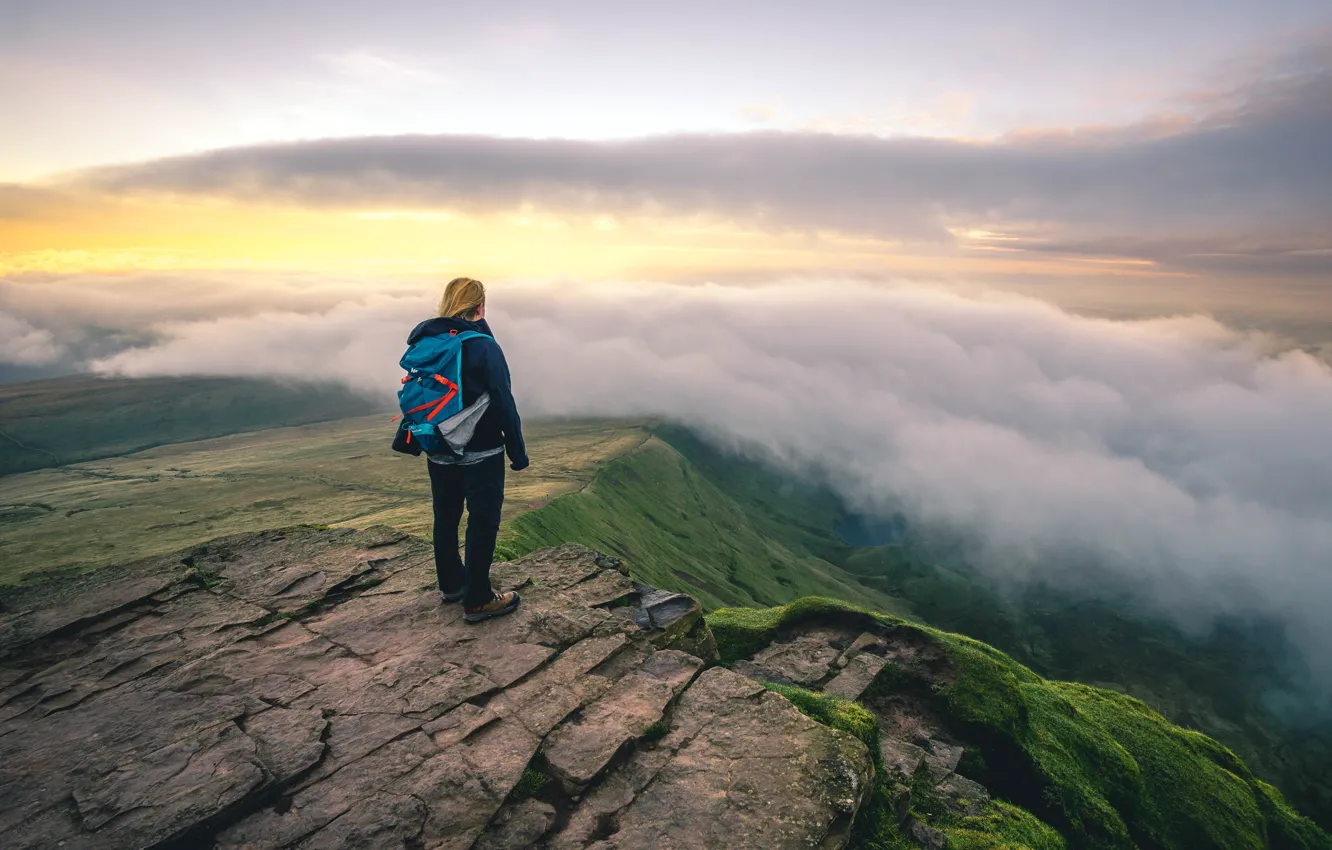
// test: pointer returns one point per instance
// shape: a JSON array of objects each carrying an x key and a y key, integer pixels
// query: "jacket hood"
[{"x": 437, "y": 326}]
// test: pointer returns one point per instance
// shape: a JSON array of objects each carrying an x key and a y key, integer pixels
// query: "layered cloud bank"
[
  {"x": 1237, "y": 183},
  {"x": 1175, "y": 453},
  {"x": 1234, "y": 182}
]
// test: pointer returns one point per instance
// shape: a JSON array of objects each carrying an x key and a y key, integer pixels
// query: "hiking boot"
[
  {"x": 450, "y": 598},
  {"x": 503, "y": 603}
]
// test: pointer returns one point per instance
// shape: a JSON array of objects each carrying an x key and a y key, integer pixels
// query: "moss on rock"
[
  {"x": 843, "y": 714},
  {"x": 1003, "y": 827},
  {"x": 1102, "y": 768}
]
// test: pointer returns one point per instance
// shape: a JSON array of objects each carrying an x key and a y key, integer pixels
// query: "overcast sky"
[
  {"x": 1175, "y": 140},
  {"x": 89, "y": 81}
]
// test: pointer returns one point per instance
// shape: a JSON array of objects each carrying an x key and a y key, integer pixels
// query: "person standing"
[{"x": 474, "y": 476}]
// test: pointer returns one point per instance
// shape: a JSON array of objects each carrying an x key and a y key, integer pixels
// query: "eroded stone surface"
[
  {"x": 804, "y": 660},
  {"x": 856, "y": 676},
  {"x": 901, "y": 757},
  {"x": 307, "y": 689},
  {"x": 517, "y": 826},
  {"x": 741, "y": 768},
  {"x": 893, "y": 672},
  {"x": 580, "y": 749}
]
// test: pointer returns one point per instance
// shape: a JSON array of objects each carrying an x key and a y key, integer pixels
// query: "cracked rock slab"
[
  {"x": 381, "y": 820},
  {"x": 317, "y": 806},
  {"x": 856, "y": 676},
  {"x": 546, "y": 698},
  {"x": 805, "y": 660},
  {"x": 517, "y": 826},
  {"x": 305, "y": 689},
  {"x": 161, "y": 794},
  {"x": 465, "y": 786},
  {"x": 579, "y": 750},
  {"x": 901, "y": 757},
  {"x": 742, "y": 768}
]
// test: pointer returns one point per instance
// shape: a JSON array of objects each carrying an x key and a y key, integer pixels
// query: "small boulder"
[
  {"x": 674, "y": 621},
  {"x": 927, "y": 837},
  {"x": 962, "y": 795},
  {"x": 856, "y": 676},
  {"x": 900, "y": 757},
  {"x": 942, "y": 759},
  {"x": 865, "y": 642}
]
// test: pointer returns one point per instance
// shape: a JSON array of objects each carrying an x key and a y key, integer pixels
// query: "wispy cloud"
[
  {"x": 377, "y": 65},
  {"x": 24, "y": 345}
]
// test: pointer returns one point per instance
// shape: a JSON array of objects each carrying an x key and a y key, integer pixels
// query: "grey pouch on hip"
[{"x": 458, "y": 429}]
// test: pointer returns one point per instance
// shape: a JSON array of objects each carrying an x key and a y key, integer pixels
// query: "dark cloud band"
[{"x": 1258, "y": 173}]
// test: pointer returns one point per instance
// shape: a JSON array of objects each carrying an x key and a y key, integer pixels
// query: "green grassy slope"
[
  {"x": 803, "y": 516},
  {"x": 680, "y": 532},
  {"x": 67, "y": 420},
  {"x": 1101, "y": 767}
]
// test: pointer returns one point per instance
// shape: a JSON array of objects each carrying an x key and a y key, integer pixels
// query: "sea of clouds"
[{"x": 1184, "y": 458}]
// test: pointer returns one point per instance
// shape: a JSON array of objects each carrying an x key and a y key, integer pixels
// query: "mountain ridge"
[
  {"x": 302, "y": 681},
  {"x": 1215, "y": 684},
  {"x": 690, "y": 518}
]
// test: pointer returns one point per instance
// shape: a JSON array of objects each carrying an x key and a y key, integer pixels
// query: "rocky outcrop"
[
  {"x": 917, "y": 749},
  {"x": 307, "y": 688},
  {"x": 739, "y": 768}
]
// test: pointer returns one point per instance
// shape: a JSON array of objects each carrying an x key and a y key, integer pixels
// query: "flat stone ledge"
[{"x": 306, "y": 688}]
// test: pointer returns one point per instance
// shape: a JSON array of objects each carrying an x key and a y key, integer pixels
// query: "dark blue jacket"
[{"x": 484, "y": 370}]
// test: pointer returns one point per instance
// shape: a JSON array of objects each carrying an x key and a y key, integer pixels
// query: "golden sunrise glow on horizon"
[
  {"x": 129, "y": 235},
  {"x": 889, "y": 143}
]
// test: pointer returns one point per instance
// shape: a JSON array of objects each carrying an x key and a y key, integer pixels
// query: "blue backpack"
[{"x": 432, "y": 389}]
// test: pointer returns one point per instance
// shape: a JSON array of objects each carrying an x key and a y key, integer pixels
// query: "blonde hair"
[{"x": 462, "y": 298}]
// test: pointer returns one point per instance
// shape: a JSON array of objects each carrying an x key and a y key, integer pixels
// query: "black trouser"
[{"x": 481, "y": 486}]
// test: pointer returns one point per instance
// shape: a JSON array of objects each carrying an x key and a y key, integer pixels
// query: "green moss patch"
[
  {"x": 843, "y": 714},
  {"x": 1002, "y": 827},
  {"x": 529, "y": 784}
]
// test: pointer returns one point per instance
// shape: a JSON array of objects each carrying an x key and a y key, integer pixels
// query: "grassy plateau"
[{"x": 67, "y": 420}]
